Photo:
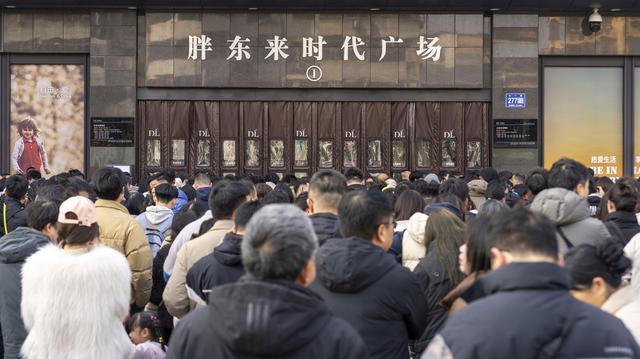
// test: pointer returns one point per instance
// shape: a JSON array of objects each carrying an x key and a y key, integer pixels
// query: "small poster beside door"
[
  {"x": 228, "y": 153},
  {"x": 203, "y": 155},
  {"x": 178, "y": 158},
  {"x": 301, "y": 153},
  {"x": 374, "y": 153},
  {"x": 350, "y": 152},
  {"x": 276, "y": 150},
  {"x": 325, "y": 149},
  {"x": 252, "y": 153},
  {"x": 448, "y": 153},
  {"x": 154, "y": 153}
]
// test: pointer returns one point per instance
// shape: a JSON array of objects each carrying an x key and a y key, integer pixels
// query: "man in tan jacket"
[
  {"x": 226, "y": 196},
  {"x": 122, "y": 232}
]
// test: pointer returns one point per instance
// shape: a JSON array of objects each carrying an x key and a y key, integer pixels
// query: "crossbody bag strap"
[
  {"x": 550, "y": 350},
  {"x": 564, "y": 238}
]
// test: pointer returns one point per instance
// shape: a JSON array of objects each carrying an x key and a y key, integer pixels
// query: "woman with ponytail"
[
  {"x": 597, "y": 278},
  {"x": 76, "y": 294}
]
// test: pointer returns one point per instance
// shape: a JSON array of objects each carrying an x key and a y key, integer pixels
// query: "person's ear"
[
  {"x": 310, "y": 205},
  {"x": 611, "y": 207},
  {"x": 499, "y": 258},
  {"x": 599, "y": 287},
  {"x": 145, "y": 333},
  {"x": 308, "y": 273}
]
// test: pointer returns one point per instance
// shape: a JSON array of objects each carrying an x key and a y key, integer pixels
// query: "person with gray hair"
[
  {"x": 269, "y": 312},
  {"x": 491, "y": 207}
]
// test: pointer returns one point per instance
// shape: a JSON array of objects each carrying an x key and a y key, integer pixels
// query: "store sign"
[
  {"x": 353, "y": 47},
  {"x": 515, "y": 100},
  {"x": 515, "y": 133},
  {"x": 113, "y": 131}
]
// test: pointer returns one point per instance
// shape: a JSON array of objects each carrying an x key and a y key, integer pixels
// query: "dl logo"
[{"x": 449, "y": 135}]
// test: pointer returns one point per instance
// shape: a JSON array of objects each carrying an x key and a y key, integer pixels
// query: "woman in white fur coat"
[{"x": 76, "y": 295}]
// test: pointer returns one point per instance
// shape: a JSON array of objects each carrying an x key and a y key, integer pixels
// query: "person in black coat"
[
  {"x": 364, "y": 285},
  {"x": 13, "y": 213},
  {"x": 326, "y": 189},
  {"x": 224, "y": 264},
  {"x": 621, "y": 220},
  {"x": 15, "y": 248},
  {"x": 528, "y": 311},
  {"x": 270, "y": 313}
]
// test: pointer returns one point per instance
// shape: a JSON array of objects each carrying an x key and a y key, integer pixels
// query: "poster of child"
[
  {"x": 28, "y": 151},
  {"x": 47, "y": 112}
]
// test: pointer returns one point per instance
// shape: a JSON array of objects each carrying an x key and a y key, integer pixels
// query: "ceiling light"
[
  {"x": 10, "y": 6},
  {"x": 375, "y": 9},
  {"x": 615, "y": 10},
  {"x": 494, "y": 9},
  {"x": 131, "y": 8},
  {"x": 253, "y": 8}
]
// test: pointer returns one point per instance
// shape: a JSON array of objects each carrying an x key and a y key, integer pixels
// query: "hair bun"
[{"x": 611, "y": 252}]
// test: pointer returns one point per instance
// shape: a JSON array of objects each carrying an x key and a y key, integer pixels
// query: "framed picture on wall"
[
  {"x": 228, "y": 153},
  {"x": 154, "y": 153},
  {"x": 399, "y": 154},
  {"x": 301, "y": 153},
  {"x": 374, "y": 153},
  {"x": 448, "y": 153},
  {"x": 474, "y": 154},
  {"x": 423, "y": 153},
  {"x": 178, "y": 153},
  {"x": 203, "y": 153},
  {"x": 276, "y": 153},
  {"x": 350, "y": 152},
  {"x": 252, "y": 154},
  {"x": 325, "y": 154}
]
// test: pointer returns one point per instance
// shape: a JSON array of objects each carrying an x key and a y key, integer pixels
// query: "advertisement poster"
[{"x": 47, "y": 118}]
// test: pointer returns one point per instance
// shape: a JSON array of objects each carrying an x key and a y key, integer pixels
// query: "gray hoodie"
[
  {"x": 15, "y": 248},
  {"x": 570, "y": 213}
]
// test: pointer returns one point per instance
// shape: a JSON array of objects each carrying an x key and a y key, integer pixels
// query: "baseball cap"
[{"x": 82, "y": 207}]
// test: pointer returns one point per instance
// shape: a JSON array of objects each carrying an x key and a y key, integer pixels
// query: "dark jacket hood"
[
  {"x": 622, "y": 218},
  {"x": 18, "y": 245},
  {"x": 326, "y": 226},
  {"x": 349, "y": 265},
  {"x": 266, "y": 318},
  {"x": 202, "y": 196},
  {"x": 228, "y": 252},
  {"x": 525, "y": 276}
]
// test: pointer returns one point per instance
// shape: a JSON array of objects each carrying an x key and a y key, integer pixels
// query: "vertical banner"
[{"x": 47, "y": 118}]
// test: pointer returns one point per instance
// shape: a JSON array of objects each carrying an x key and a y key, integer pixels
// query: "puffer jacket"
[
  {"x": 16, "y": 215},
  {"x": 625, "y": 302},
  {"x": 413, "y": 240},
  {"x": 121, "y": 232},
  {"x": 15, "y": 248},
  {"x": 326, "y": 226},
  {"x": 571, "y": 215}
]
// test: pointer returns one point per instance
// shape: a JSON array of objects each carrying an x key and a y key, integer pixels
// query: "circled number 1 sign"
[{"x": 314, "y": 73}]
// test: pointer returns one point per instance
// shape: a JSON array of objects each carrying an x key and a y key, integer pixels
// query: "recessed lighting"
[
  {"x": 494, "y": 9},
  {"x": 10, "y": 6},
  {"x": 253, "y": 8},
  {"x": 132, "y": 8},
  {"x": 615, "y": 10},
  {"x": 375, "y": 9}
]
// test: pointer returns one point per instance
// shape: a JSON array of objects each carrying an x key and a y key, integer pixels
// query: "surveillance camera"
[{"x": 595, "y": 21}]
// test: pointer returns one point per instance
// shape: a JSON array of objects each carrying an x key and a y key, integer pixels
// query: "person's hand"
[{"x": 47, "y": 171}]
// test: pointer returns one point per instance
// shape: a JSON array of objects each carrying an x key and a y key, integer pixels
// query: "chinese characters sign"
[{"x": 353, "y": 47}]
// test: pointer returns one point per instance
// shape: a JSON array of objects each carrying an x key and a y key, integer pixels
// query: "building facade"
[{"x": 236, "y": 91}]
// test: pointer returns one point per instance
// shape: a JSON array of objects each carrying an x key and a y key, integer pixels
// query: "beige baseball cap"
[{"x": 82, "y": 207}]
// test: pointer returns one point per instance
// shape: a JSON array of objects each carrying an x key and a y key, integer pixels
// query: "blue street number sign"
[{"x": 515, "y": 100}]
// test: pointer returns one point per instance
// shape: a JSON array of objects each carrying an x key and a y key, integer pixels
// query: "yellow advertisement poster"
[{"x": 583, "y": 117}]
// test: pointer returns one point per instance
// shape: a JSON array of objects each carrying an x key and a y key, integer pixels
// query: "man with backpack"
[{"x": 156, "y": 220}]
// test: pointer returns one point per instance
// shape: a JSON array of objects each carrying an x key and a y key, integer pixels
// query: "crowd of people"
[{"x": 340, "y": 265}]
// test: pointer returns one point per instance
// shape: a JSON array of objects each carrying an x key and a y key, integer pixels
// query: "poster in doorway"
[{"x": 47, "y": 114}]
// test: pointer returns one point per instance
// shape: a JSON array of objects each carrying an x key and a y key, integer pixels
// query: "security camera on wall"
[{"x": 595, "y": 21}]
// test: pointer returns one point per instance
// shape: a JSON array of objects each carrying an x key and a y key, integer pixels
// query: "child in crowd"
[
  {"x": 145, "y": 334},
  {"x": 29, "y": 150}
]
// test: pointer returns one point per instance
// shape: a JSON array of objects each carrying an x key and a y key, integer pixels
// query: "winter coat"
[
  {"x": 435, "y": 283},
  {"x": 202, "y": 197},
  {"x": 15, "y": 248},
  {"x": 155, "y": 221},
  {"x": 626, "y": 225},
  {"x": 571, "y": 215},
  {"x": 73, "y": 305},
  {"x": 413, "y": 240},
  {"x": 123, "y": 233},
  {"x": 289, "y": 322},
  {"x": 175, "y": 295},
  {"x": 527, "y": 307},
  {"x": 149, "y": 350},
  {"x": 16, "y": 215},
  {"x": 379, "y": 298},
  {"x": 356, "y": 187},
  {"x": 180, "y": 202},
  {"x": 183, "y": 237},
  {"x": 222, "y": 266},
  {"x": 625, "y": 302},
  {"x": 326, "y": 226}
]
